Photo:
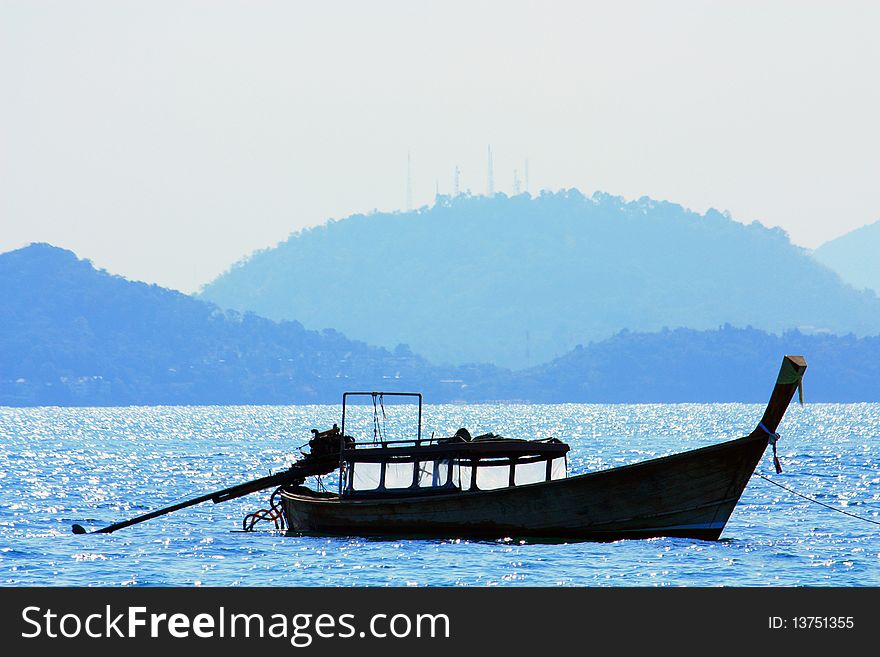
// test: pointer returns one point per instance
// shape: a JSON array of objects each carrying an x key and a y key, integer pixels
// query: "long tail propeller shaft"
[{"x": 297, "y": 473}]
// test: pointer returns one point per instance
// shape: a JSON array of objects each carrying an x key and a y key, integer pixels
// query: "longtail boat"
[
  {"x": 491, "y": 487},
  {"x": 494, "y": 487}
]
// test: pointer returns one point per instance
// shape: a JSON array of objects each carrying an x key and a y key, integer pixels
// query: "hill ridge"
[
  {"x": 71, "y": 335},
  {"x": 518, "y": 280}
]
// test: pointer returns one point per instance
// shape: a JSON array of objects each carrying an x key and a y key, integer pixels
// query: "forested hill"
[
  {"x": 725, "y": 364},
  {"x": 517, "y": 281},
  {"x": 73, "y": 335}
]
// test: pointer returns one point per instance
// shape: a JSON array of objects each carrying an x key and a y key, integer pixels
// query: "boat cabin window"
[
  {"x": 399, "y": 475},
  {"x": 432, "y": 473},
  {"x": 396, "y": 475},
  {"x": 530, "y": 473},
  {"x": 493, "y": 476},
  {"x": 557, "y": 468},
  {"x": 364, "y": 476},
  {"x": 464, "y": 474}
]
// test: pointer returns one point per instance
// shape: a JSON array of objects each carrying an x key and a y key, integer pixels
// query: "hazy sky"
[{"x": 165, "y": 140}]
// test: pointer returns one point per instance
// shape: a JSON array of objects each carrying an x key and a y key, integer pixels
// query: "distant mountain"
[
  {"x": 855, "y": 256},
  {"x": 517, "y": 281},
  {"x": 72, "y": 335}
]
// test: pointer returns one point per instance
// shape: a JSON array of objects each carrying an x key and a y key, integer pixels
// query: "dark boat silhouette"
[{"x": 437, "y": 488}]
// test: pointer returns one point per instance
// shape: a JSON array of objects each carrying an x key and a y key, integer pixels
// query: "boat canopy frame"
[
  {"x": 482, "y": 451},
  {"x": 380, "y": 395}
]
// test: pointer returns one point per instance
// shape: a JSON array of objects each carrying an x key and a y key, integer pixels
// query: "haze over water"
[{"x": 101, "y": 465}]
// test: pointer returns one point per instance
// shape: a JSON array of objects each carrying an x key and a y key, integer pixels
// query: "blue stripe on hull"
[{"x": 666, "y": 528}]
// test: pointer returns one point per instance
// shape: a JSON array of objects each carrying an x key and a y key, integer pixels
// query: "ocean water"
[{"x": 95, "y": 466}]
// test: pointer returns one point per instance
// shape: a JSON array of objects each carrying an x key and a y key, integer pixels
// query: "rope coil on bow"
[{"x": 773, "y": 438}]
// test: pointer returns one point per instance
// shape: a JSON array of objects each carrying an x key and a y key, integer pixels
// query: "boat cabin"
[{"x": 456, "y": 463}]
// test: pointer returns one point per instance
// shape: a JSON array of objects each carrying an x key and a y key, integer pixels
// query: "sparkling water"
[{"x": 96, "y": 466}]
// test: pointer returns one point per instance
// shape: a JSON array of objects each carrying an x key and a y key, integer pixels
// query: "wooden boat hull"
[{"x": 690, "y": 494}]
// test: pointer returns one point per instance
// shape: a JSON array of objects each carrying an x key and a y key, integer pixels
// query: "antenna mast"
[
  {"x": 408, "y": 183},
  {"x": 490, "y": 178}
]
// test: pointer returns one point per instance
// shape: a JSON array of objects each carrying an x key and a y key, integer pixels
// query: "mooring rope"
[
  {"x": 382, "y": 404},
  {"x": 810, "y": 499},
  {"x": 377, "y": 429}
]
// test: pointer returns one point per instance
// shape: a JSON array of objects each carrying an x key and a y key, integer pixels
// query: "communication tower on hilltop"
[
  {"x": 490, "y": 177},
  {"x": 526, "y": 173},
  {"x": 455, "y": 180},
  {"x": 408, "y": 183}
]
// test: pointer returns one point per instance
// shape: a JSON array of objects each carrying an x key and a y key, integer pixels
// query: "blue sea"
[{"x": 96, "y": 466}]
